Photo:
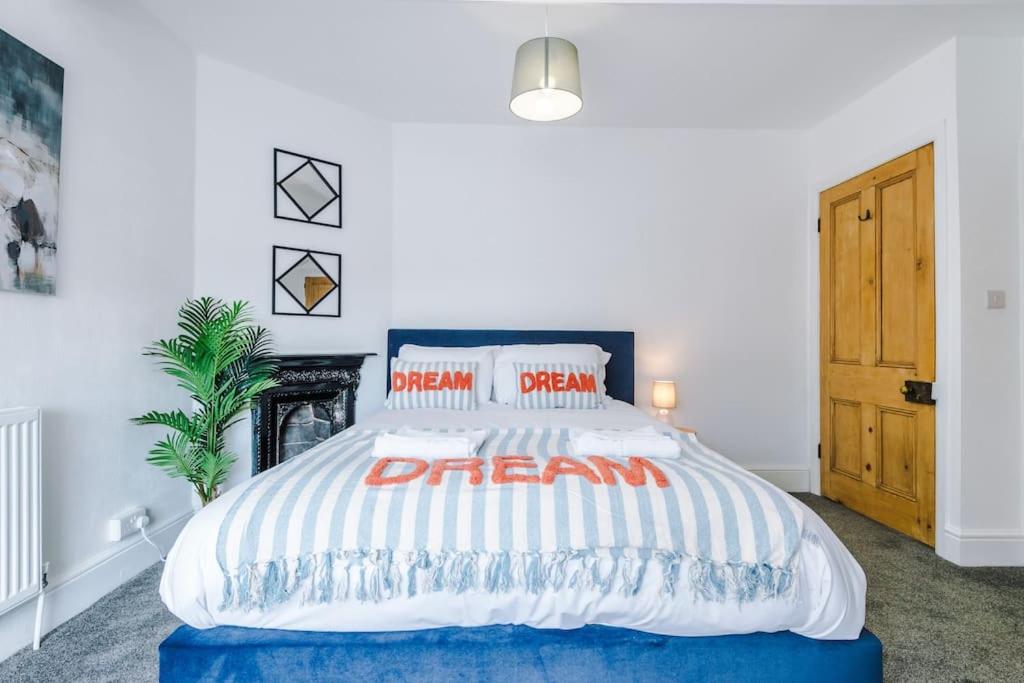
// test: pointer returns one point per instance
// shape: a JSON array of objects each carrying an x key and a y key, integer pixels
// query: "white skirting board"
[
  {"x": 67, "y": 597},
  {"x": 791, "y": 479},
  {"x": 985, "y": 547}
]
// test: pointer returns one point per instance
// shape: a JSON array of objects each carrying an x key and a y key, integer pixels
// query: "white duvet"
[{"x": 828, "y": 600}]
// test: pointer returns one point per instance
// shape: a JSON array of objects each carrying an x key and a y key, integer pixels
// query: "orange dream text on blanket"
[{"x": 510, "y": 469}]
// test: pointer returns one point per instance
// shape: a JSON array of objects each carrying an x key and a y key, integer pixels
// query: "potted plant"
[{"x": 223, "y": 361}]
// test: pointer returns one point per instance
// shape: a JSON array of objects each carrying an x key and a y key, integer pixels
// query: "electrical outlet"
[{"x": 125, "y": 524}]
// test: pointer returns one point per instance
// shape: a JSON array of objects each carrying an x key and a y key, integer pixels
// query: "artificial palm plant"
[{"x": 223, "y": 361}]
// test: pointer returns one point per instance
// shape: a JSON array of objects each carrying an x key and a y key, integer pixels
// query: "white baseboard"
[
  {"x": 792, "y": 479},
  {"x": 985, "y": 547},
  {"x": 70, "y": 595}
]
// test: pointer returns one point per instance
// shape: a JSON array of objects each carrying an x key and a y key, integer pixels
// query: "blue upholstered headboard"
[{"x": 619, "y": 371}]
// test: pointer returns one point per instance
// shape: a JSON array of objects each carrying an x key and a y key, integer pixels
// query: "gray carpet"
[
  {"x": 114, "y": 640},
  {"x": 938, "y": 622}
]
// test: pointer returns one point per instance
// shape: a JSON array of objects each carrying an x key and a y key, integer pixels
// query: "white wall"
[
  {"x": 917, "y": 96},
  {"x": 124, "y": 265},
  {"x": 989, "y": 106},
  {"x": 966, "y": 96},
  {"x": 240, "y": 118},
  {"x": 694, "y": 239}
]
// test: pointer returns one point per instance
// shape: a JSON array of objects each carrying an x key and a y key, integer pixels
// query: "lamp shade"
[
  {"x": 546, "y": 80},
  {"x": 664, "y": 394}
]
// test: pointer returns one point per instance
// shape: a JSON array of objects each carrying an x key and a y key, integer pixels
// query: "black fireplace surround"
[{"x": 315, "y": 400}]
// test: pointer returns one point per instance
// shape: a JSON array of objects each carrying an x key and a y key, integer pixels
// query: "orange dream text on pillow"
[
  {"x": 557, "y": 382},
  {"x": 431, "y": 381}
]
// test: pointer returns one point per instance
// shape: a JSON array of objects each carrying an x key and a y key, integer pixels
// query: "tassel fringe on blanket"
[{"x": 376, "y": 575}]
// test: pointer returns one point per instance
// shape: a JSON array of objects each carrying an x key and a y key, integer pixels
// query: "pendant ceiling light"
[{"x": 546, "y": 79}]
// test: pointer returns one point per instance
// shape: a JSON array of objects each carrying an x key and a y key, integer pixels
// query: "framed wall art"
[
  {"x": 307, "y": 189},
  {"x": 306, "y": 282},
  {"x": 31, "y": 102}
]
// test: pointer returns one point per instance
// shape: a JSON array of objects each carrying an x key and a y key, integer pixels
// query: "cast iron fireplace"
[{"x": 316, "y": 400}]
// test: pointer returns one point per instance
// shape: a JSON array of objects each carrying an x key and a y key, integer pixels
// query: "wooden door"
[{"x": 878, "y": 331}]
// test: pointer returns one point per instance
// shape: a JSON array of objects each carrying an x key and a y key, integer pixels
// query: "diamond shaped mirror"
[
  {"x": 306, "y": 282},
  {"x": 307, "y": 189}
]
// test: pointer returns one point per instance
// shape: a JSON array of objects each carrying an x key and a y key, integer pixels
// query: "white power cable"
[{"x": 140, "y": 524}]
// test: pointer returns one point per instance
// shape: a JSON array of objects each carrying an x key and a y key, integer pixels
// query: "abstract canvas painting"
[{"x": 31, "y": 99}]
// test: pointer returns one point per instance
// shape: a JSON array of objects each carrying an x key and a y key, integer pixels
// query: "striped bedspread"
[{"x": 527, "y": 514}]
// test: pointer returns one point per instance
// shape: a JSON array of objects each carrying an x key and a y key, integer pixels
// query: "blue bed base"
[
  {"x": 618, "y": 372},
  {"x": 511, "y": 653}
]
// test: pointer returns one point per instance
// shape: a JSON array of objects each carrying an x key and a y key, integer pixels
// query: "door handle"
[
  {"x": 917, "y": 392},
  {"x": 865, "y": 217}
]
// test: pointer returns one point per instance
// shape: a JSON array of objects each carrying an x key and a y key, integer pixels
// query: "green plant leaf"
[{"x": 223, "y": 362}]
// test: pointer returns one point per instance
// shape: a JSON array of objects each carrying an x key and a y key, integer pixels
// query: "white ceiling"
[{"x": 689, "y": 64}]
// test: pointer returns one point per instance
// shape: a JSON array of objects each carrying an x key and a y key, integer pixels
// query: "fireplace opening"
[
  {"x": 315, "y": 400},
  {"x": 303, "y": 427}
]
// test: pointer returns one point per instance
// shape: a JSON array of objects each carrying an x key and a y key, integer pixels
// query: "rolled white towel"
[
  {"x": 416, "y": 443},
  {"x": 646, "y": 441}
]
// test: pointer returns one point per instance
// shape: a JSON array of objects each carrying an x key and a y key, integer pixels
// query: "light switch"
[{"x": 995, "y": 298}]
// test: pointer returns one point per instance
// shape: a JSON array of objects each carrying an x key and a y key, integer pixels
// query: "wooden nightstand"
[{"x": 687, "y": 430}]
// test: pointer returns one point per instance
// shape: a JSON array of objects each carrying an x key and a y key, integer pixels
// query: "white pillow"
[
  {"x": 576, "y": 354},
  {"x": 482, "y": 355}
]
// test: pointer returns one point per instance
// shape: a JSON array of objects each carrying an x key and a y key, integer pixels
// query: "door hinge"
[
  {"x": 819, "y": 451},
  {"x": 819, "y": 225}
]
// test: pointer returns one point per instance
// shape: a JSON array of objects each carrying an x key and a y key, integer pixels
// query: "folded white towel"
[
  {"x": 476, "y": 436},
  {"x": 646, "y": 441},
  {"x": 417, "y": 443}
]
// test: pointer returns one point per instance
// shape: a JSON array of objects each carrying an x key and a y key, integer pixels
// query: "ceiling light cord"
[{"x": 547, "y": 52}]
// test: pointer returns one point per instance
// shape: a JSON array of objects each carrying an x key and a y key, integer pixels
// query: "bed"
[{"x": 332, "y": 567}]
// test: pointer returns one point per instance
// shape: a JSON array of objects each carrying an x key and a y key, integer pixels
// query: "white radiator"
[{"x": 21, "y": 547}]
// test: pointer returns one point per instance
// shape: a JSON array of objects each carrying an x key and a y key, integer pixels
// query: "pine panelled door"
[{"x": 878, "y": 344}]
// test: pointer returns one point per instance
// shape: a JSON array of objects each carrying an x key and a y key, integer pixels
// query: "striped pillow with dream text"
[
  {"x": 432, "y": 384},
  {"x": 557, "y": 385}
]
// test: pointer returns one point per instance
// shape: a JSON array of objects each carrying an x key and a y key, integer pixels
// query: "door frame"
[{"x": 948, "y": 324}]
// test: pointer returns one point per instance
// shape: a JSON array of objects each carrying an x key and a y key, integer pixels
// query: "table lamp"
[{"x": 663, "y": 397}]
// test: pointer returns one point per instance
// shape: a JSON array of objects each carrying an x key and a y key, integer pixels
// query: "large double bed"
[{"x": 527, "y": 558}]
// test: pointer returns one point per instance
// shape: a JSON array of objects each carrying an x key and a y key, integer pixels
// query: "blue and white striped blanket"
[{"x": 337, "y": 524}]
